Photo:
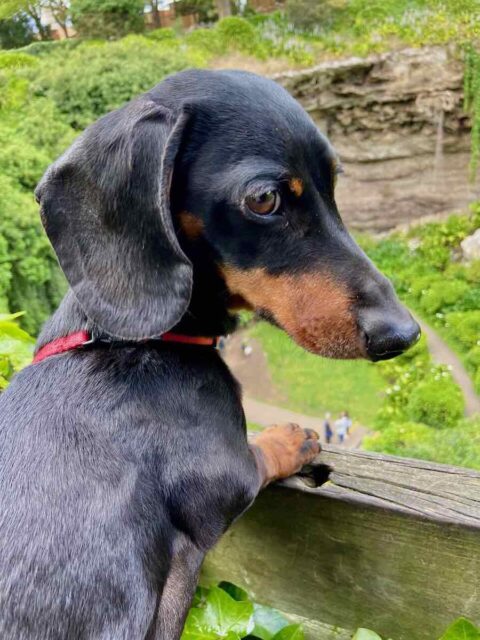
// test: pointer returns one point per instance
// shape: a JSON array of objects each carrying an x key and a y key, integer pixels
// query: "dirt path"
[
  {"x": 267, "y": 414},
  {"x": 253, "y": 374},
  {"x": 442, "y": 354}
]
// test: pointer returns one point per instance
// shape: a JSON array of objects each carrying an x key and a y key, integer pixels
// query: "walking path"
[
  {"x": 253, "y": 374},
  {"x": 267, "y": 414},
  {"x": 442, "y": 354}
]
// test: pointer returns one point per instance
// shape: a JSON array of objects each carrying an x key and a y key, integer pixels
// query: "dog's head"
[{"x": 244, "y": 171}]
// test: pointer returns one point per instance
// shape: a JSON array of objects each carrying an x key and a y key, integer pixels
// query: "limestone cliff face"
[{"x": 397, "y": 122}]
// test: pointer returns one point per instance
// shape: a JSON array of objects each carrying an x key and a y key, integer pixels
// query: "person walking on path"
[
  {"x": 342, "y": 426},
  {"x": 327, "y": 428}
]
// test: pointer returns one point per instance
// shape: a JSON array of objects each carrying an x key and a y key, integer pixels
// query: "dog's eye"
[{"x": 264, "y": 204}]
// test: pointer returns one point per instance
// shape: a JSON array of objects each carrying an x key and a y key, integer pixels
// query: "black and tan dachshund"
[{"x": 123, "y": 451}]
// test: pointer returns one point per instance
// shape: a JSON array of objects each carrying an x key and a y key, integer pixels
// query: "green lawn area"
[{"x": 314, "y": 385}]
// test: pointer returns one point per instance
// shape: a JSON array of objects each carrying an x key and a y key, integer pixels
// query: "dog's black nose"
[{"x": 386, "y": 338}]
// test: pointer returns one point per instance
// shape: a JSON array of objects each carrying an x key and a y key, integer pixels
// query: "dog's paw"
[{"x": 286, "y": 448}]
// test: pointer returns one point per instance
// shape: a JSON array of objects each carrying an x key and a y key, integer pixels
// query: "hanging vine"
[{"x": 472, "y": 103}]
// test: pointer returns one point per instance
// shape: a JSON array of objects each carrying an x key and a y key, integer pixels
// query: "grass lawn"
[{"x": 314, "y": 385}]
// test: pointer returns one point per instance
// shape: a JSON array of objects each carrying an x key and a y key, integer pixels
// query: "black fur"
[{"x": 122, "y": 463}]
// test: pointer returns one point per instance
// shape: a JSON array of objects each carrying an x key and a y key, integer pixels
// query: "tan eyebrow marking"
[
  {"x": 296, "y": 186},
  {"x": 191, "y": 226}
]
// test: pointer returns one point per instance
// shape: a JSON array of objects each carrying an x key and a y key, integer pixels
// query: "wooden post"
[{"x": 386, "y": 543}]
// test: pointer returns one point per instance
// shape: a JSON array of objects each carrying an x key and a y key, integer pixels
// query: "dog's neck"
[
  {"x": 67, "y": 319},
  {"x": 206, "y": 316}
]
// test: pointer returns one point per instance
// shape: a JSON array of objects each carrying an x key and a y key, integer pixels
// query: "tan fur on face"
[
  {"x": 312, "y": 308},
  {"x": 191, "y": 226},
  {"x": 296, "y": 186}
]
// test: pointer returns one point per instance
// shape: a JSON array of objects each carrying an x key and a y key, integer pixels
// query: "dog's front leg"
[{"x": 282, "y": 450}]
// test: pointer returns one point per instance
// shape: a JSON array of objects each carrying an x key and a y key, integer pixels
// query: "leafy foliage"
[
  {"x": 309, "y": 15},
  {"x": 227, "y": 612},
  {"x": 205, "y": 9},
  {"x": 107, "y": 18},
  {"x": 31, "y": 134},
  {"x": 462, "y": 629},
  {"x": 15, "y": 32},
  {"x": 117, "y": 71},
  {"x": 422, "y": 410},
  {"x": 437, "y": 402},
  {"x": 472, "y": 101},
  {"x": 16, "y": 347}
]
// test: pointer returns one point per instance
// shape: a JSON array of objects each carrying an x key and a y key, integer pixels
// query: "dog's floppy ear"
[{"x": 105, "y": 207}]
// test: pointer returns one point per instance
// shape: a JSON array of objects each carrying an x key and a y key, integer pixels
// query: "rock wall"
[{"x": 397, "y": 123}]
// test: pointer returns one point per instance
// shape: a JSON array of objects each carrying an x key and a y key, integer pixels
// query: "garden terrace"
[{"x": 361, "y": 540}]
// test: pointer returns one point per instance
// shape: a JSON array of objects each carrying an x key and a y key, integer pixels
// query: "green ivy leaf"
[
  {"x": 195, "y": 628},
  {"x": 292, "y": 632},
  {"x": 12, "y": 330},
  {"x": 237, "y": 593},
  {"x": 200, "y": 596},
  {"x": 366, "y": 634},
  {"x": 461, "y": 629},
  {"x": 221, "y": 617},
  {"x": 268, "y": 622},
  {"x": 11, "y": 316}
]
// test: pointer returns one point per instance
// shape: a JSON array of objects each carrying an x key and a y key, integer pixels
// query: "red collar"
[{"x": 82, "y": 338}]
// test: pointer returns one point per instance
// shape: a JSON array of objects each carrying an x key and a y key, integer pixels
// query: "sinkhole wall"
[{"x": 398, "y": 124}]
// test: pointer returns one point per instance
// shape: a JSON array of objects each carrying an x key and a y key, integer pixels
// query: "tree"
[
  {"x": 154, "y": 6},
  {"x": 34, "y": 10},
  {"x": 15, "y": 32},
  {"x": 107, "y": 18},
  {"x": 205, "y": 9},
  {"x": 60, "y": 11}
]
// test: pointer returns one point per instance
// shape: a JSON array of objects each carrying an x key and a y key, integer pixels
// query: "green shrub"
[
  {"x": 16, "y": 347},
  {"x": 107, "y": 18},
  {"x": 238, "y": 33},
  {"x": 117, "y": 71},
  {"x": 164, "y": 34},
  {"x": 16, "y": 60},
  {"x": 309, "y": 15},
  {"x": 437, "y": 402},
  {"x": 43, "y": 48},
  {"x": 472, "y": 272},
  {"x": 209, "y": 40},
  {"x": 32, "y": 133},
  {"x": 16, "y": 32},
  {"x": 465, "y": 327},
  {"x": 29, "y": 275},
  {"x": 443, "y": 294},
  {"x": 458, "y": 446},
  {"x": 406, "y": 439},
  {"x": 403, "y": 375},
  {"x": 472, "y": 358}
]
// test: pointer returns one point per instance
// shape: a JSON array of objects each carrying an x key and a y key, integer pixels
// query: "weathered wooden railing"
[{"x": 386, "y": 543}]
